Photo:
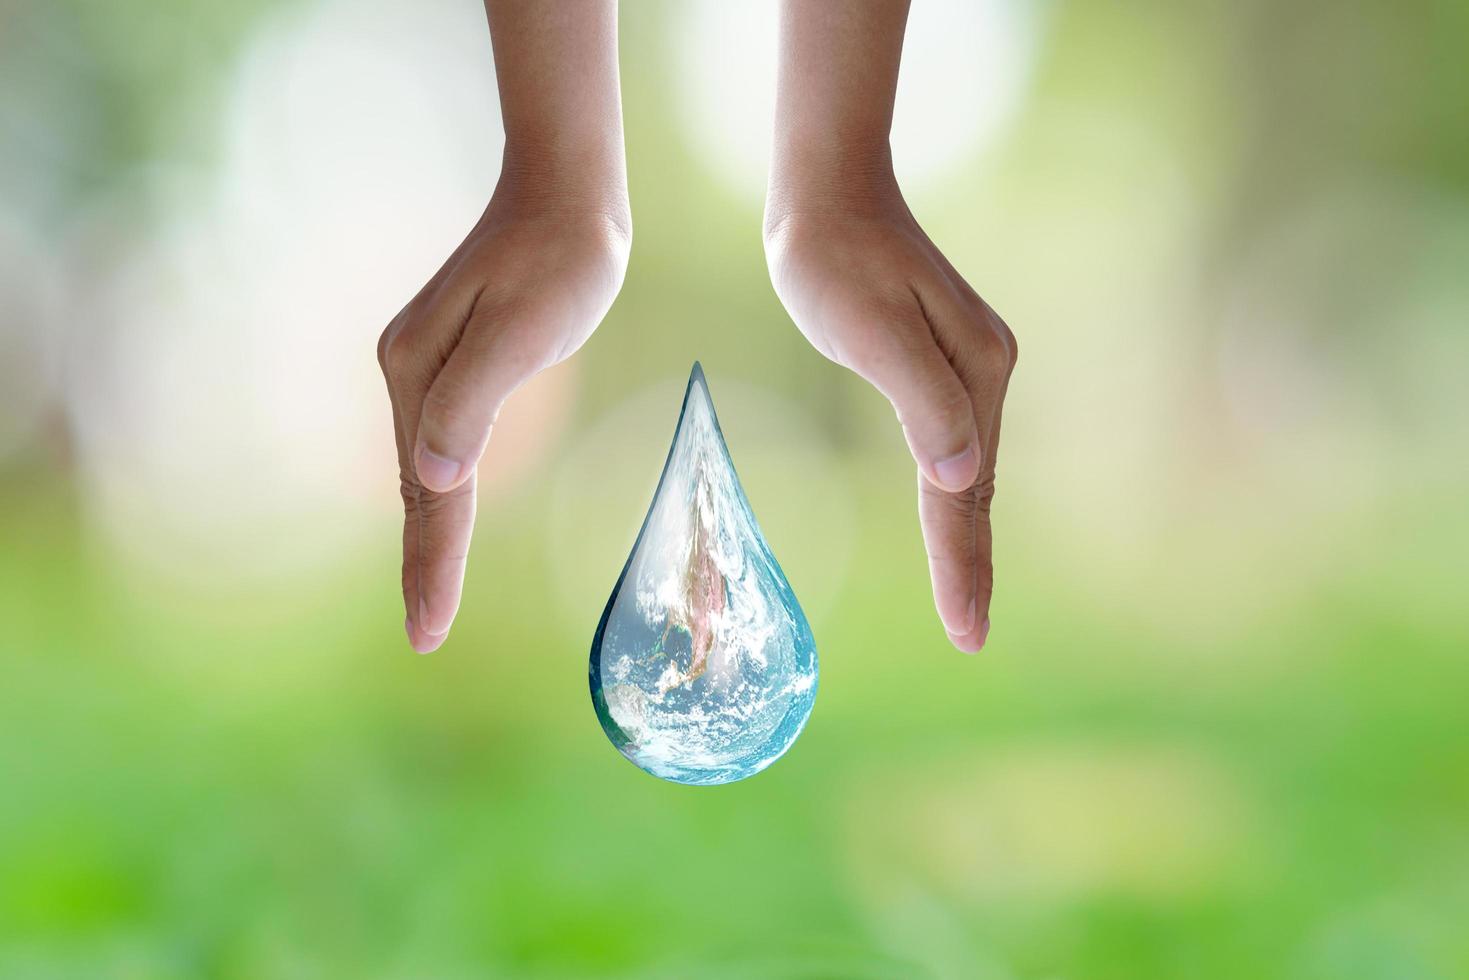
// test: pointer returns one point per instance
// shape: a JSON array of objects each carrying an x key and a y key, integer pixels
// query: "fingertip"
[
  {"x": 964, "y": 644},
  {"x": 973, "y": 641},
  {"x": 421, "y": 640},
  {"x": 428, "y": 642},
  {"x": 961, "y": 624},
  {"x": 432, "y": 623},
  {"x": 438, "y": 473},
  {"x": 958, "y": 472}
]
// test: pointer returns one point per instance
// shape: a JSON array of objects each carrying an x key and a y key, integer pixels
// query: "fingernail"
[
  {"x": 423, "y": 612},
  {"x": 984, "y": 633},
  {"x": 957, "y": 472},
  {"x": 428, "y": 642},
  {"x": 420, "y": 640},
  {"x": 961, "y": 626},
  {"x": 435, "y": 471}
]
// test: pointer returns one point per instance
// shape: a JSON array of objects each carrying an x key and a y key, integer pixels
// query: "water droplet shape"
[{"x": 703, "y": 669}]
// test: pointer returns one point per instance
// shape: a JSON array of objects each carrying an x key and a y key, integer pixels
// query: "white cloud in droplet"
[{"x": 799, "y": 491}]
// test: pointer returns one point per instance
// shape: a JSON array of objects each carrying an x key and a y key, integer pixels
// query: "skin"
[
  {"x": 849, "y": 261},
  {"x": 871, "y": 292},
  {"x": 524, "y": 290}
]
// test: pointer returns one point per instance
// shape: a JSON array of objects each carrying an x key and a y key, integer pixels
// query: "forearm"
[
  {"x": 835, "y": 87},
  {"x": 556, "y": 67}
]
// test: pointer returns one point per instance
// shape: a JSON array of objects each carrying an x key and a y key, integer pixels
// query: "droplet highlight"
[{"x": 703, "y": 668}]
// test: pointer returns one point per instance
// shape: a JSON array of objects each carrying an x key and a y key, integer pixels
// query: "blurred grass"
[
  {"x": 295, "y": 796},
  {"x": 1220, "y": 731}
]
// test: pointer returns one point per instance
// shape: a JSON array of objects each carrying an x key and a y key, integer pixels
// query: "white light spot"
[
  {"x": 231, "y": 403},
  {"x": 966, "y": 65}
]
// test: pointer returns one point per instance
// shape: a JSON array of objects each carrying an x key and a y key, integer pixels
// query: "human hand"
[
  {"x": 523, "y": 292},
  {"x": 871, "y": 292}
]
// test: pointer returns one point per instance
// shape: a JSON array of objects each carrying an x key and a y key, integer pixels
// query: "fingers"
[
  {"x": 446, "y": 396},
  {"x": 1002, "y": 364},
  {"x": 956, "y": 525},
  {"x": 418, "y": 639},
  {"x": 463, "y": 402},
  {"x": 948, "y": 521},
  {"x": 979, "y": 348},
  {"x": 958, "y": 537},
  {"x": 461, "y": 405},
  {"x": 436, "y": 525},
  {"x": 437, "y": 528},
  {"x": 903, "y": 362}
]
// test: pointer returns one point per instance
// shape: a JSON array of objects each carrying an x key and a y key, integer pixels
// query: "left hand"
[{"x": 871, "y": 292}]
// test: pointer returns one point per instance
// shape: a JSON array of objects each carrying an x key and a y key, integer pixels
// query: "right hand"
[{"x": 523, "y": 292}]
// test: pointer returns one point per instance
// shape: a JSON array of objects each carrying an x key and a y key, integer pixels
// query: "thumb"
[
  {"x": 464, "y": 401},
  {"x": 931, "y": 402}
]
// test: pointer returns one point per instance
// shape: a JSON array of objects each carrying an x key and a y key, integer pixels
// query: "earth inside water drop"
[{"x": 703, "y": 668}]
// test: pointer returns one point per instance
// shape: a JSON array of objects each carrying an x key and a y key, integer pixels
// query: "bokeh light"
[
  {"x": 1218, "y": 730},
  {"x": 235, "y": 341},
  {"x": 966, "y": 66},
  {"x": 33, "y": 332}
]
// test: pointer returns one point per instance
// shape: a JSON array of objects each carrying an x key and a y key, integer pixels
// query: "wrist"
[
  {"x": 565, "y": 178},
  {"x": 850, "y": 177}
]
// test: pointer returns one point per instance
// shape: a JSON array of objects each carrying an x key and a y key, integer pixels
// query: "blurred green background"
[{"x": 1220, "y": 730}]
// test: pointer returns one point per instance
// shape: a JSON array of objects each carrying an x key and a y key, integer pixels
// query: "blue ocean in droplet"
[{"x": 703, "y": 668}]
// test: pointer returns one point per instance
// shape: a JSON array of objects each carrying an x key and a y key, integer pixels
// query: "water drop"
[{"x": 703, "y": 669}]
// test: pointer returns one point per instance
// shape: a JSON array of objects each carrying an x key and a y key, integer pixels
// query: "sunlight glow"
[
  {"x": 966, "y": 69},
  {"x": 232, "y": 397}
]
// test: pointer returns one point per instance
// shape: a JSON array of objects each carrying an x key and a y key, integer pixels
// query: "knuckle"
[
  {"x": 403, "y": 347},
  {"x": 382, "y": 349},
  {"x": 984, "y": 495},
  {"x": 1001, "y": 338},
  {"x": 967, "y": 507},
  {"x": 431, "y": 506},
  {"x": 954, "y": 518},
  {"x": 443, "y": 511},
  {"x": 959, "y": 504},
  {"x": 994, "y": 352},
  {"x": 394, "y": 353},
  {"x": 956, "y": 559},
  {"x": 1007, "y": 337},
  {"x": 990, "y": 357}
]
